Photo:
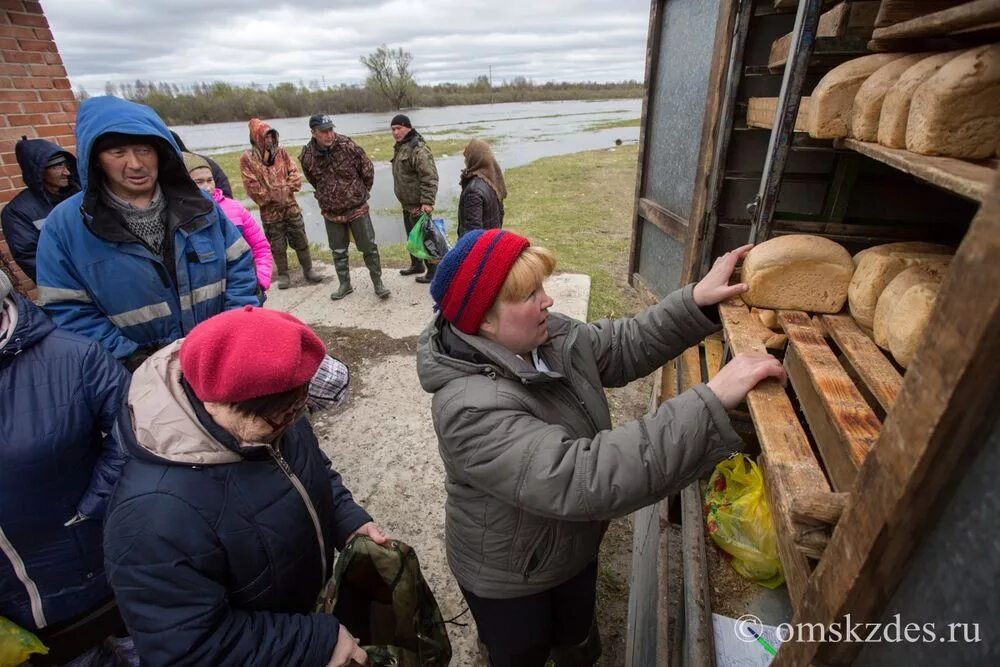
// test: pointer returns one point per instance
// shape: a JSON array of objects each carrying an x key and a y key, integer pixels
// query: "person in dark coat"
[
  {"x": 221, "y": 533},
  {"x": 49, "y": 174},
  {"x": 59, "y": 461},
  {"x": 218, "y": 175},
  {"x": 483, "y": 190}
]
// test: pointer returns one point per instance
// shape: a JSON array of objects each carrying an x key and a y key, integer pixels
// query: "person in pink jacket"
[{"x": 201, "y": 174}]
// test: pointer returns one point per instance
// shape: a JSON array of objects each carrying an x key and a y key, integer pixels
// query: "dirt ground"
[{"x": 383, "y": 444}]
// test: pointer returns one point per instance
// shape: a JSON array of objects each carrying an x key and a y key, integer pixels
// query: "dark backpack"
[{"x": 381, "y": 597}]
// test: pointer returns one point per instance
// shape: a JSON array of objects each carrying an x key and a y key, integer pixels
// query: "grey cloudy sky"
[{"x": 243, "y": 41}]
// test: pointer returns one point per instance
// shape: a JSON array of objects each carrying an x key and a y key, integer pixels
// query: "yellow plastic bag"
[
  {"x": 739, "y": 521},
  {"x": 17, "y": 644}
]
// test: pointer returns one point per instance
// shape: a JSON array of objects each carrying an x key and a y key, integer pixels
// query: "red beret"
[{"x": 249, "y": 353}]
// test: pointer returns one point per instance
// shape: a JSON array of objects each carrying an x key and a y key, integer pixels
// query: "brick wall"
[{"x": 35, "y": 100}]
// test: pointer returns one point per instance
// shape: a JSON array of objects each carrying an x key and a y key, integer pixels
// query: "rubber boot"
[
  {"x": 343, "y": 274},
  {"x": 375, "y": 271},
  {"x": 416, "y": 266},
  {"x": 429, "y": 276},
  {"x": 305, "y": 261},
  {"x": 281, "y": 263}
]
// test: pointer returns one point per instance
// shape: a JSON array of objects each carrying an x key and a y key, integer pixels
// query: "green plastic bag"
[
  {"x": 739, "y": 521},
  {"x": 17, "y": 644},
  {"x": 415, "y": 241}
]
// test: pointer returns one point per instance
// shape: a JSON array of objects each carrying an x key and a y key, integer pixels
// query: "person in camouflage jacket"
[
  {"x": 415, "y": 181},
  {"x": 271, "y": 179},
  {"x": 342, "y": 176}
]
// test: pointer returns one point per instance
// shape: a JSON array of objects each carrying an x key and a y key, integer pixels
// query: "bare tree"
[{"x": 389, "y": 74}]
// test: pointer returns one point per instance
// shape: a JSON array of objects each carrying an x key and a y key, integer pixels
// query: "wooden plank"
[
  {"x": 819, "y": 508},
  {"x": 967, "y": 179},
  {"x": 843, "y": 425},
  {"x": 714, "y": 359},
  {"x": 965, "y": 17},
  {"x": 790, "y": 468},
  {"x": 697, "y": 602},
  {"x": 947, "y": 400},
  {"x": 896, "y": 11},
  {"x": 868, "y": 361},
  {"x": 699, "y": 640},
  {"x": 652, "y": 53},
  {"x": 668, "y": 221},
  {"x": 761, "y": 111},
  {"x": 854, "y": 19},
  {"x": 646, "y": 293}
]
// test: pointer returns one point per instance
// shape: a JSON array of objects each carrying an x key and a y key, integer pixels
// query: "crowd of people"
[{"x": 164, "y": 497}]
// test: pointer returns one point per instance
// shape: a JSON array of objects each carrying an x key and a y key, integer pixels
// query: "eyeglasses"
[{"x": 293, "y": 413}]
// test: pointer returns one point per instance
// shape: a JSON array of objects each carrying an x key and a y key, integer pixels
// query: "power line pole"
[{"x": 491, "y": 84}]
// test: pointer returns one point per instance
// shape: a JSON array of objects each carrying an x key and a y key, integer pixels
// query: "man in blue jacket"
[
  {"x": 141, "y": 255},
  {"x": 49, "y": 174},
  {"x": 221, "y": 533},
  {"x": 59, "y": 396}
]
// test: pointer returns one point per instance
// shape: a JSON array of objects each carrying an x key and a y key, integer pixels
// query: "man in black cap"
[
  {"x": 415, "y": 181},
  {"x": 342, "y": 176},
  {"x": 49, "y": 174}
]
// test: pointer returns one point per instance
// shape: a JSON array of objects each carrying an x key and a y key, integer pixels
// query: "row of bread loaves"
[
  {"x": 890, "y": 288},
  {"x": 929, "y": 103}
]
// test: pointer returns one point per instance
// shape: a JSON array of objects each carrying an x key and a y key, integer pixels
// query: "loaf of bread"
[
  {"x": 767, "y": 317},
  {"x": 875, "y": 267},
  {"x": 798, "y": 272},
  {"x": 832, "y": 102},
  {"x": 868, "y": 102},
  {"x": 956, "y": 112},
  {"x": 908, "y": 320},
  {"x": 896, "y": 106},
  {"x": 885, "y": 310}
]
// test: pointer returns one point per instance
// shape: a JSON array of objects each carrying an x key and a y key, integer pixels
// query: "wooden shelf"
[
  {"x": 842, "y": 384},
  {"x": 846, "y": 19},
  {"x": 961, "y": 19},
  {"x": 761, "y": 111},
  {"x": 968, "y": 179}
]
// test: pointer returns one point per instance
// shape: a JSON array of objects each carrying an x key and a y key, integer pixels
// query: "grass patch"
[
  {"x": 611, "y": 124},
  {"x": 378, "y": 146},
  {"x": 580, "y": 207}
]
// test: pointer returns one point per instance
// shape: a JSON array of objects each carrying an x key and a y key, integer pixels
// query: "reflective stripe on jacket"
[{"x": 97, "y": 279}]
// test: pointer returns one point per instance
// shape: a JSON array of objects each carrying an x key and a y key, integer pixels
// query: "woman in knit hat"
[
  {"x": 222, "y": 530},
  {"x": 534, "y": 467},
  {"x": 483, "y": 190},
  {"x": 201, "y": 173}
]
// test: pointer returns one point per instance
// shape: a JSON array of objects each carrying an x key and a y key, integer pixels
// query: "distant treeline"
[{"x": 220, "y": 102}]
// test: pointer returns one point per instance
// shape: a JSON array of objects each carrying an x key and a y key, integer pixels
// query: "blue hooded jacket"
[
  {"x": 98, "y": 279},
  {"x": 58, "y": 392},
  {"x": 23, "y": 217}
]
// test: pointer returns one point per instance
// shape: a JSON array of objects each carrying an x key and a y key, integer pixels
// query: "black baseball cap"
[{"x": 321, "y": 121}]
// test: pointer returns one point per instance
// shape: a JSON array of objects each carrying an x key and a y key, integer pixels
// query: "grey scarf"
[{"x": 149, "y": 224}]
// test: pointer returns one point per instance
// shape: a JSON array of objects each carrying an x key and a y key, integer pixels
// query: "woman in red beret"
[
  {"x": 534, "y": 467},
  {"x": 222, "y": 530}
]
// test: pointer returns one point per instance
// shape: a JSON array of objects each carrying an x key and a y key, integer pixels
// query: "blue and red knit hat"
[{"x": 470, "y": 276}]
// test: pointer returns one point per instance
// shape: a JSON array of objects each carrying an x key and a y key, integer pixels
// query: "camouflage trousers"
[{"x": 284, "y": 233}]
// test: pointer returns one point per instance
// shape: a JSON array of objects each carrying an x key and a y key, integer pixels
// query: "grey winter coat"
[{"x": 534, "y": 468}]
